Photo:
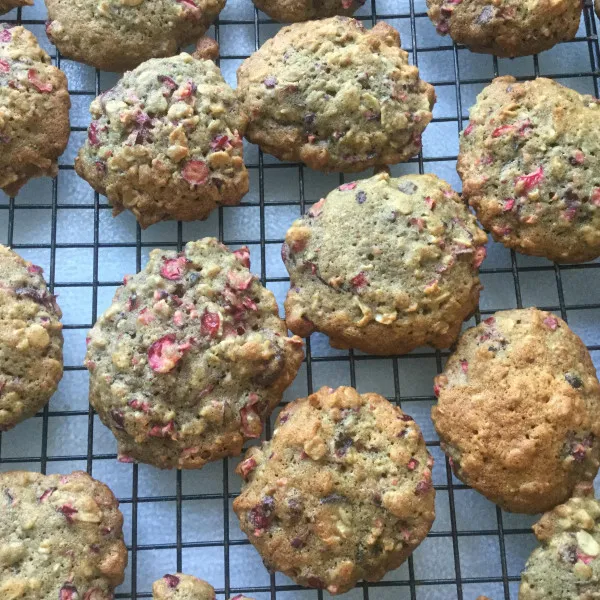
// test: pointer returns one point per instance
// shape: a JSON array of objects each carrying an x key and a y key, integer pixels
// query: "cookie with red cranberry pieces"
[
  {"x": 61, "y": 537},
  {"x": 567, "y": 563},
  {"x": 519, "y": 410},
  {"x": 6, "y": 5},
  {"x": 34, "y": 119},
  {"x": 166, "y": 142},
  {"x": 190, "y": 358},
  {"x": 530, "y": 168},
  {"x": 31, "y": 340},
  {"x": 506, "y": 28},
  {"x": 293, "y": 11},
  {"x": 384, "y": 265},
  {"x": 118, "y": 35},
  {"x": 185, "y": 587},
  {"x": 335, "y": 96},
  {"x": 342, "y": 491}
]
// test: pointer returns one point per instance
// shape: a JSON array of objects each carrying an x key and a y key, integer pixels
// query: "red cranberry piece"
[
  {"x": 423, "y": 487},
  {"x": 164, "y": 354},
  {"x": 359, "y": 281},
  {"x": 531, "y": 180},
  {"x": 172, "y": 580},
  {"x": 93, "y": 130},
  {"x": 417, "y": 223},
  {"x": 468, "y": 129},
  {"x": 139, "y": 405},
  {"x": 317, "y": 208},
  {"x": 243, "y": 255},
  {"x": 260, "y": 516},
  {"x": 430, "y": 202},
  {"x": 4, "y": 66},
  {"x": 345, "y": 187},
  {"x": 173, "y": 268},
  {"x": 209, "y": 324},
  {"x": 47, "y": 493},
  {"x": 162, "y": 430},
  {"x": 68, "y": 511},
  {"x": 489, "y": 321},
  {"x": 34, "y": 269},
  {"x": 584, "y": 558},
  {"x": 509, "y": 204},
  {"x": 239, "y": 280},
  {"x": 5, "y": 35},
  {"x": 131, "y": 302},
  {"x": 595, "y": 197},
  {"x": 167, "y": 82},
  {"x": 67, "y": 592},
  {"x": 247, "y": 466},
  {"x": 251, "y": 421},
  {"x": 464, "y": 365},
  {"x": 479, "y": 256},
  {"x": 219, "y": 142},
  {"x": 413, "y": 463},
  {"x": 502, "y": 130},
  {"x": 195, "y": 172},
  {"x": 551, "y": 322},
  {"x": 40, "y": 86}
]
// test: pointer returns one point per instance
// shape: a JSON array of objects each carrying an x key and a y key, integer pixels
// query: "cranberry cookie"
[
  {"x": 335, "y": 96},
  {"x": 61, "y": 537},
  {"x": 190, "y": 359},
  {"x": 384, "y": 265},
  {"x": 185, "y": 587},
  {"x": 292, "y": 11},
  {"x": 6, "y": 5},
  {"x": 506, "y": 28},
  {"x": 31, "y": 340},
  {"x": 531, "y": 168},
  {"x": 342, "y": 492},
  {"x": 166, "y": 142},
  {"x": 118, "y": 35},
  {"x": 519, "y": 410},
  {"x": 34, "y": 110},
  {"x": 567, "y": 564}
]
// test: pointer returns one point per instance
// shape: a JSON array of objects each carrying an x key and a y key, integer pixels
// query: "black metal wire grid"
[{"x": 412, "y": 586}]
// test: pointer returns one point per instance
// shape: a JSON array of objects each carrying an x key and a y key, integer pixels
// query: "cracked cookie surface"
[
  {"x": 118, "y": 35},
  {"x": 166, "y": 142},
  {"x": 519, "y": 410},
  {"x": 34, "y": 110},
  {"x": 335, "y": 96},
  {"x": 384, "y": 265},
  {"x": 61, "y": 537},
  {"x": 530, "y": 165},
  {"x": 191, "y": 357},
  {"x": 31, "y": 340},
  {"x": 342, "y": 492},
  {"x": 567, "y": 564},
  {"x": 506, "y": 28}
]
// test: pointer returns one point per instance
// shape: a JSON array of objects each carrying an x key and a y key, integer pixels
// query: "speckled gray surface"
[{"x": 203, "y": 519}]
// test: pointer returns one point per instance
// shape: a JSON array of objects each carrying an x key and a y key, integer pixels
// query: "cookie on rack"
[
  {"x": 567, "y": 564},
  {"x": 293, "y": 11},
  {"x": 61, "y": 537},
  {"x": 118, "y": 35},
  {"x": 190, "y": 358},
  {"x": 519, "y": 410},
  {"x": 335, "y": 96},
  {"x": 185, "y": 587},
  {"x": 508, "y": 28},
  {"x": 530, "y": 167},
  {"x": 342, "y": 491},
  {"x": 31, "y": 340},
  {"x": 6, "y": 5},
  {"x": 166, "y": 142},
  {"x": 384, "y": 265},
  {"x": 34, "y": 110}
]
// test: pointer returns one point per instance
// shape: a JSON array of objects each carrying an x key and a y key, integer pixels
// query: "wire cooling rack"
[{"x": 184, "y": 521}]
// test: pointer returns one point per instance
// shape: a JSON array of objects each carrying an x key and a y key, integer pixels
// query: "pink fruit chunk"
[
  {"x": 489, "y": 321},
  {"x": 93, "y": 130},
  {"x": 123, "y": 458},
  {"x": 239, "y": 280},
  {"x": 139, "y": 405},
  {"x": 430, "y": 202},
  {"x": 35, "y": 81},
  {"x": 551, "y": 322},
  {"x": 34, "y": 269},
  {"x": 68, "y": 510},
  {"x": 359, "y": 281},
  {"x": 47, "y": 494},
  {"x": 479, "y": 257},
  {"x": 195, "y": 172},
  {"x": 173, "y": 268},
  {"x": 345, "y": 187},
  {"x": 413, "y": 463},
  {"x": 162, "y": 430},
  {"x": 251, "y": 422},
  {"x": 219, "y": 142},
  {"x": 243, "y": 255},
  {"x": 5, "y": 35},
  {"x": 172, "y": 580},
  {"x": 502, "y": 130},
  {"x": 247, "y": 466},
  {"x": 436, "y": 390},
  {"x": 68, "y": 592},
  {"x": 528, "y": 182},
  {"x": 509, "y": 204},
  {"x": 210, "y": 323},
  {"x": 595, "y": 197},
  {"x": 145, "y": 317},
  {"x": 164, "y": 354},
  {"x": 317, "y": 208},
  {"x": 464, "y": 365},
  {"x": 468, "y": 129},
  {"x": 169, "y": 82},
  {"x": 4, "y": 66},
  {"x": 346, "y": 4},
  {"x": 584, "y": 558}
]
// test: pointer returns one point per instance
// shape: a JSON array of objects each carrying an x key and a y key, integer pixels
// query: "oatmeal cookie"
[
  {"x": 567, "y": 564},
  {"x": 61, "y": 538},
  {"x": 34, "y": 110},
  {"x": 118, "y": 35},
  {"x": 342, "y": 492},
  {"x": 6, "y": 5},
  {"x": 31, "y": 340},
  {"x": 506, "y": 28},
  {"x": 190, "y": 359},
  {"x": 335, "y": 96},
  {"x": 185, "y": 587},
  {"x": 384, "y": 265},
  {"x": 531, "y": 168},
  {"x": 292, "y": 11},
  {"x": 519, "y": 410},
  {"x": 166, "y": 142}
]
